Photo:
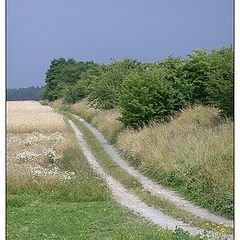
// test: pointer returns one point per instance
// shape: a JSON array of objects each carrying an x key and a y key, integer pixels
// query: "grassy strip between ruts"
[
  {"x": 132, "y": 183},
  {"x": 77, "y": 209}
]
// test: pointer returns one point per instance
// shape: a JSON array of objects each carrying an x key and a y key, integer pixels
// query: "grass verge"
[
  {"x": 192, "y": 154},
  {"x": 85, "y": 220},
  {"x": 105, "y": 120}
]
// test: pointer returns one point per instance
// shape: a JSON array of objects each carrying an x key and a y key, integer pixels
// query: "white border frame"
[{"x": 2, "y": 119}]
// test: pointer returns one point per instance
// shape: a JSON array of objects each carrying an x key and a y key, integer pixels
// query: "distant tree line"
[
  {"x": 145, "y": 92},
  {"x": 29, "y": 93}
]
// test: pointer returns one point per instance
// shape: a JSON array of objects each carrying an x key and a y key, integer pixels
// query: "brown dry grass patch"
[
  {"x": 195, "y": 146},
  {"x": 107, "y": 121}
]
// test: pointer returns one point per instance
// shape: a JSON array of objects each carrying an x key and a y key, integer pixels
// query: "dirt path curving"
[
  {"x": 126, "y": 198},
  {"x": 132, "y": 202},
  {"x": 154, "y": 188}
]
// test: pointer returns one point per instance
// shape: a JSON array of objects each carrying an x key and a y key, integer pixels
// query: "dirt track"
[
  {"x": 126, "y": 198},
  {"x": 132, "y": 202},
  {"x": 155, "y": 188}
]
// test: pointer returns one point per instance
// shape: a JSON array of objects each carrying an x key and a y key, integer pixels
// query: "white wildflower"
[
  {"x": 55, "y": 171},
  {"x": 25, "y": 155},
  {"x": 51, "y": 154},
  {"x": 56, "y": 137},
  {"x": 34, "y": 138}
]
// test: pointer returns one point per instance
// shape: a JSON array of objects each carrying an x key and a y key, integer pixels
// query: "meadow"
[
  {"x": 192, "y": 153},
  {"x": 52, "y": 193},
  {"x": 172, "y": 119}
]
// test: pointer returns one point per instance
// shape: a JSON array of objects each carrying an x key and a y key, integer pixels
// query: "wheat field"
[
  {"x": 36, "y": 140},
  {"x": 30, "y": 116}
]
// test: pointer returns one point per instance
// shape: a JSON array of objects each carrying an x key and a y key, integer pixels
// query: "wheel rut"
[
  {"x": 155, "y": 188},
  {"x": 130, "y": 200}
]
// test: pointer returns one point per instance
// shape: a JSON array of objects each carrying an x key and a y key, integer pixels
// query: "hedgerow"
[
  {"x": 145, "y": 92},
  {"x": 153, "y": 95}
]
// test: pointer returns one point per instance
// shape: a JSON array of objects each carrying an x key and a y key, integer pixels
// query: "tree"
[
  {"x": 221, "y": 79},
  {"x": 61, "y": 76},
  {"x": 196, "y": 72},
  {"x": 106, "y": 89},
  {"x": 154, "y": 94}
]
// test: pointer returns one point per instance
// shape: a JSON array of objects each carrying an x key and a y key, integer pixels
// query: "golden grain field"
[
  {"x": 36, "y": 139},
  {"x": 30, "y": 116}
]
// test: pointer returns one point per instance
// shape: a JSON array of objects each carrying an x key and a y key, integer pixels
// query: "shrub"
[
  {"x": 203, "y": 78},
  {"x": 212, "y": 78},
  {"x": 220, "y": 84},
  {"x": 196, "y": 72},
  {"x": 105, "y": 91},
  {"x": 152, "y": 95}
]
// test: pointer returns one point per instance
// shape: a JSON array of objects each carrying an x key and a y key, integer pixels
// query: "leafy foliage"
[
  {"x": 197, "y": 73},
  {"x": 154, "y": 94},
  {"x": 145, "y": 92},
  {"x": 212, "y": 78},
  {"x": 62, "y": 76},
  {"x": 106, "y": 89},
  {"x": 220, "y": 84}
]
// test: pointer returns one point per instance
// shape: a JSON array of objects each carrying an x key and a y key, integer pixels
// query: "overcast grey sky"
[{"x": 147, "y": 30}]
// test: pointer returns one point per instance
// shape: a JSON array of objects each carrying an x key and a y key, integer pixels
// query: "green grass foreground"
[{"x": 84, "y": 220}]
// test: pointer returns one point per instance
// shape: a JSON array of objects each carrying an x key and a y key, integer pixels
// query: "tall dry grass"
[
  {"x": 83, "y": 109},
  {"x": 105, "y": 120},
  {"x": 30, "y": 116},
  {"x": 193, "y": 151}
]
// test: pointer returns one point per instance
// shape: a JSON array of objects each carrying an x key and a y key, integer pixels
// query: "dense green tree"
[
  {"x": 146, "y": 92},
  {"x": 153, "y": 95},
  {"x": 196, "y": 72},
  {"x": 106, "y": 89},
  {"x": 54, "y": 84},
  {"x": 62, "y": 76},
  {"x": 220, "y": 86}
]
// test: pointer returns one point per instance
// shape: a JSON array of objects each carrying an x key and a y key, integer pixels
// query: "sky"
[{"x": 148, "y": 30}]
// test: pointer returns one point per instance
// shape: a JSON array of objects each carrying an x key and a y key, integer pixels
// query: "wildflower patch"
[{"x": 27, "y": 156}]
